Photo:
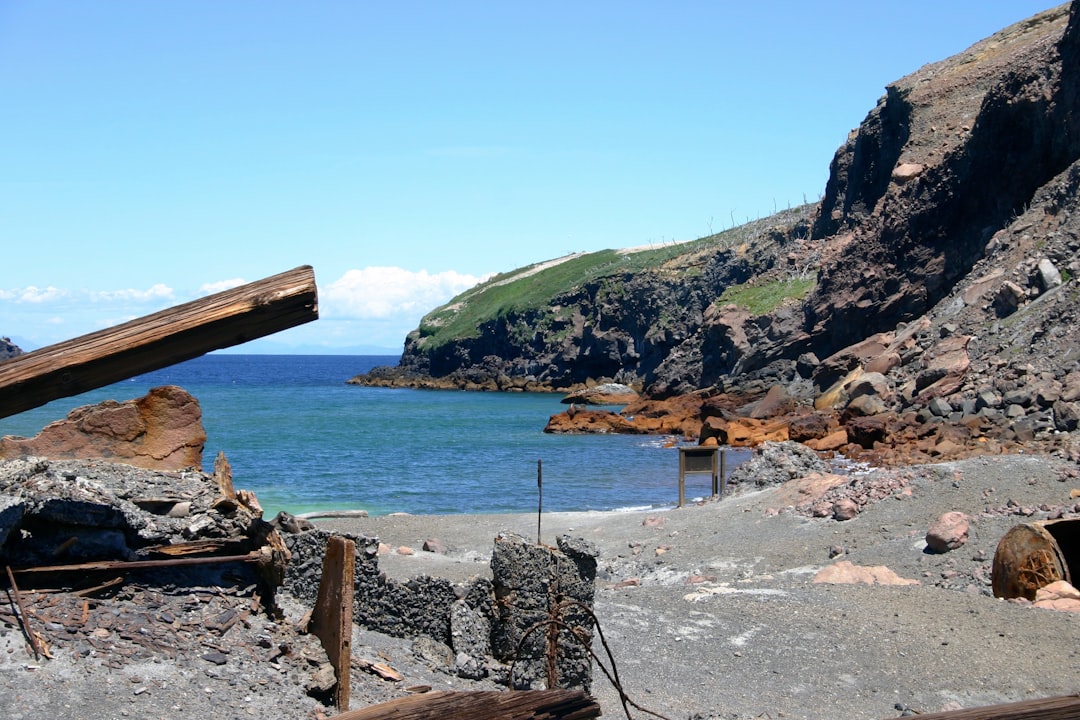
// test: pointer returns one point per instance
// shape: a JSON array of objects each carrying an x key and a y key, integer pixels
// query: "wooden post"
[
  {"x": 331, "y": 619},
  {"x": 682, "y": 478},
  {"x": 723, "y": 472},
  {"x": 155, "y": 341}
]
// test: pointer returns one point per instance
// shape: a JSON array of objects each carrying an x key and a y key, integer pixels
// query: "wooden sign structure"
[
  {"x": 155, "y": 341},
  {"x": 702, "y": 459}
]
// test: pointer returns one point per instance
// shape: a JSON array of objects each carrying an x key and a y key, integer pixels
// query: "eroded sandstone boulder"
[{"x": 162, "y": 430}]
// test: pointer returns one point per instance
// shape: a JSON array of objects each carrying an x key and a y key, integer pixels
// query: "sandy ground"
[{"x": 725, "y": 621}]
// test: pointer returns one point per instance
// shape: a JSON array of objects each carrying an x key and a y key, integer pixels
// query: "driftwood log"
[
  {"x": 155, "y": 341},
  {"x": 1063, "y": 707},
  {"x": 483, "y": 705}
]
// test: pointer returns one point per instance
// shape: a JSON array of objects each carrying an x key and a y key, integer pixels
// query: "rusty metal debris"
[{"x": 1033, "y": 555}]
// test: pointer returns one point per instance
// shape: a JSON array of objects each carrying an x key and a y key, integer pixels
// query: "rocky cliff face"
[
  {"x": 942, "y": 259},
  {"x": 8, "y": 349}
]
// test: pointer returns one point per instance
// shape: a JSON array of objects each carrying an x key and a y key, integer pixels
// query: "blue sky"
[{"x": 153, "y": 152}]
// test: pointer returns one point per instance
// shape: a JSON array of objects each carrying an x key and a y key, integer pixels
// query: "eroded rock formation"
[{"x": 162, "y": 430}]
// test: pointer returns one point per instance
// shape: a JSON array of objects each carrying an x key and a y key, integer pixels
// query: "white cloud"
[
  {"x": 155, "y": 292},
  {"x": 221, "y": 285},
  {"x": 391, "y": 292},
  {"x": 33, "y": 294}
]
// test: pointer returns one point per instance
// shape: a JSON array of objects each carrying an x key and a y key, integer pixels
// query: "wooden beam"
[
  {"x": 331, "y": 619},
  {"x": 155, "y": 341},
  {"x": 483, "y": 705},
  {"x": 1063, "y": 707}
]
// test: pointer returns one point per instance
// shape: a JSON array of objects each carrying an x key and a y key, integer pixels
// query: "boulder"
[
  {"x": 945, "y": 365},
  {"x": 1066, "y": 416},
  {"x": 777, "y": 401},
  {"x": 603, "y": 394},
  {"x": 810, "y": 426},
  {"x": 905, "y": 172},
  {"x": 1048, "y": 276},
  {"x": 808, "y": 490},
  {"x": 1058, "y": 595},
  {"x": 845, "y": 509},
  {"x": 948, "y": 532},
  {"x": 845, "y": 572},
  {"x": 162, "y": 430},
  {"x": 833, "y": 441}
]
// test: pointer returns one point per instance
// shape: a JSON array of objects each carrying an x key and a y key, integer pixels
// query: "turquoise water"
[{"x": 302, "y": 439}]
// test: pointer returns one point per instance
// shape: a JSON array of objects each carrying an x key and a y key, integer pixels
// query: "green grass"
[
  {"x": 501, "y": 295},
  {"x": 759, "y": 299},
  {"x": 462, "y": 316}
]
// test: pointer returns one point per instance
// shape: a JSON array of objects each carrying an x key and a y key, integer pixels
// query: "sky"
[{"x": 152, "y": 153}]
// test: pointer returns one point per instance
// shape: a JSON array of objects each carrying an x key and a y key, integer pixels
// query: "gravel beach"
[{"x": 710, "y": 611}]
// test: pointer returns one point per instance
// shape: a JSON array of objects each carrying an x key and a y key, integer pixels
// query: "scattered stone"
[
  {"x": 434, "y": 545},
  {"x": 948, "y": 532}
]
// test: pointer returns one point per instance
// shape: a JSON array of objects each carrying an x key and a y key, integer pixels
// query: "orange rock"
[
  {"x": 847, "y": 573},
  {"x": 1058, "y": 595},
  {"x": 162, "y": 430},
  {"x": 833, "y": 441}
]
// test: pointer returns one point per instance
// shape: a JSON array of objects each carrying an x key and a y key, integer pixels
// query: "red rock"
[
  {"x": 1058, "y": 595},
  {"x": 845, "y": 572},
  {"x": 948, "y": 532},
  {"x": 833, "y": 441},
  {"x": 405, "y": 550},
  {"x": 162, "y": 430},
  {"x": 656, "y": 522},
  {"x": 844, "y": 509},
  {"x": 434, "y": 545},
  {"x": 810, "y": 426},
  {"x": 695, "y": 579},
  {"x": 807, "y": 490}
]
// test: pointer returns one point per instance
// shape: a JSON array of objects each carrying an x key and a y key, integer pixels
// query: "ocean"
[{"x": 304, "y": 440}]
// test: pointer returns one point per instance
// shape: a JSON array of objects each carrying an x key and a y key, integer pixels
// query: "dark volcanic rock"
[{"x": 8, "y": 349}]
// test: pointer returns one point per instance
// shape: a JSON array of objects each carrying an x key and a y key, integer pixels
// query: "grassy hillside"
[{"x": 537, "y": 286}]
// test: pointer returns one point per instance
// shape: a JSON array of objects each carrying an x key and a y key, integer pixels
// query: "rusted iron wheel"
[{"x": 1027, "y": 558}]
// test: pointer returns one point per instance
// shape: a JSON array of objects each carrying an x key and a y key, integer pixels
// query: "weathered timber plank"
[
  {"x": 483, "y": 705},
  {"x": 1062, "y": 707},
  {"x": 331, "y": 619},
  {"x": 155, "y": 341}
]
